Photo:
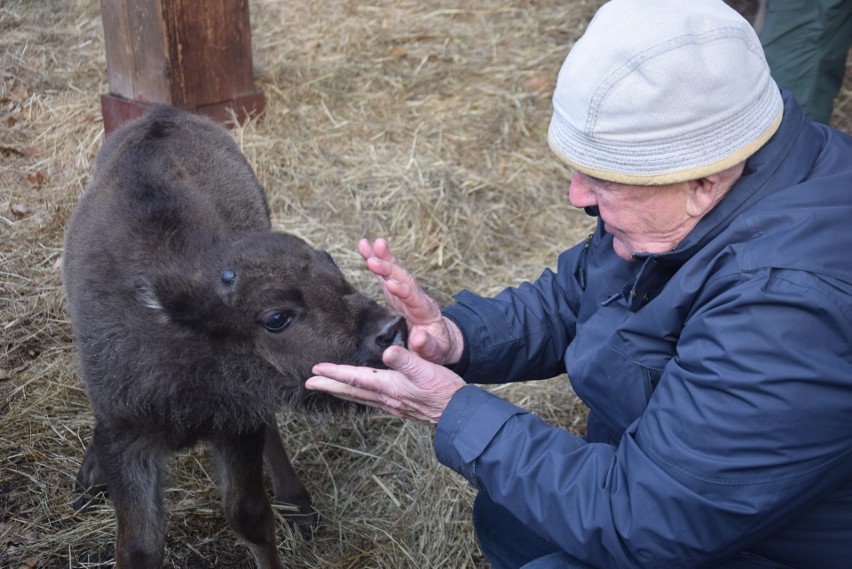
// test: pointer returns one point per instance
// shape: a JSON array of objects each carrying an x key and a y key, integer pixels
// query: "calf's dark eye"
[{"x": 277, "y": 322}]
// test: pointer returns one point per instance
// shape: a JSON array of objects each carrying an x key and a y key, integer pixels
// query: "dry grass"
[{"x": 423, "y": 122}]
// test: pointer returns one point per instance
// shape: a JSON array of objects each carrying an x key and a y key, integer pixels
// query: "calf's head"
[{"x": 271, "y": 297}]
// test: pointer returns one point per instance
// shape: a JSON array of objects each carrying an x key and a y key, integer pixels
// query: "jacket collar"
[{"x": 768, "y": 169}]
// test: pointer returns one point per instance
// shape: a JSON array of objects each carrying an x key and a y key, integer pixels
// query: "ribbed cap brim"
[{"x": 687, "y": 96}]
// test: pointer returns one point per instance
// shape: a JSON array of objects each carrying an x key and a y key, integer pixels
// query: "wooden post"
[{"x": 194, "y": 54}]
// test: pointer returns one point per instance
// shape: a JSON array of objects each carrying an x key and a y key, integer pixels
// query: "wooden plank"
[
  {"x": 188, "y": 53},
  {"x": 119, "y": 58},
  {"x": 209, "y": 50},
  {"x": 137, "y": 62}
]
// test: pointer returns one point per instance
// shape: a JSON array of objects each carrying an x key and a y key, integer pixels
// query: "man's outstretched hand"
[
  {"x": 431, "y": 335},
  {"x": 413, "y": 387}
]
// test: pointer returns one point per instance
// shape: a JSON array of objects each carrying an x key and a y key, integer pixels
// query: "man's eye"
[{"x": 277, "y": 322}]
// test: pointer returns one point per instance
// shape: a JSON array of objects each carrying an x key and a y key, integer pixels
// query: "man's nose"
[{"x": 580, "y": 194}]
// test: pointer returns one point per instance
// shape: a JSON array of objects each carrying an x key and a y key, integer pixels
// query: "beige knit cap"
[{"x": 663, "y": 91}]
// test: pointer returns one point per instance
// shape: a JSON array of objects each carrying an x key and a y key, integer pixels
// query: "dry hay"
[{"x": 423, "y": 122}]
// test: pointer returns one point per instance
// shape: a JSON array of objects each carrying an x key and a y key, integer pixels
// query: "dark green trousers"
[{"x": 806, "y": 44}]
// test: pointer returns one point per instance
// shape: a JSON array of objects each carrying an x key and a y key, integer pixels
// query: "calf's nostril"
[{"x": 392, "y": 334}]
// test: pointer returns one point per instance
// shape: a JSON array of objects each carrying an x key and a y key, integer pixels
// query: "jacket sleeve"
[
  {"x": 749, "y": 426},
  {"x": 523, "y": 332}
]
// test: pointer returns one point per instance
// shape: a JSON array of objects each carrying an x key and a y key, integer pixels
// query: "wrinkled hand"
[
  {"x": 430, "y": 334},
  {"x": 412, "y": 388}
]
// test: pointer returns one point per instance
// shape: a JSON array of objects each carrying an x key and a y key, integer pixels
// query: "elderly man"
[{"x": 707, "y": 322}]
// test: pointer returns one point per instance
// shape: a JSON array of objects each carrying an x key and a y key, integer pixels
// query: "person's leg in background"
[{"x": 806, "y": 43}]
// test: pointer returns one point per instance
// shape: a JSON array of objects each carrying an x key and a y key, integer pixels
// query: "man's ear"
[{"x": 703, "y": 194}]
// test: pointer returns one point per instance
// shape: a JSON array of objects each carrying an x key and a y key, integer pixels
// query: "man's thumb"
[{"x": 402, "y": 360}]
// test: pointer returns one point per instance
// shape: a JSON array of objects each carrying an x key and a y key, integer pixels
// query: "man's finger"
[
  {"x": 382, "y": 249},
  {"x": 345, "y": 391},
  {"x": 366, "y": 397},
  {"x": 380, "y": 268},
  {"x": 373, "y": 380},
  {"x": 365, "y": 249},
  {"x": 400, "y": 290},
  {"x": 404, "y": 361}
]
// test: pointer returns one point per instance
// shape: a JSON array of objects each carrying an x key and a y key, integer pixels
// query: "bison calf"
[{"x": 194, "y": 322}]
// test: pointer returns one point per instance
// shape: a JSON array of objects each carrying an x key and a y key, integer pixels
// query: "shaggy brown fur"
[{"x": 194, "y": 321}]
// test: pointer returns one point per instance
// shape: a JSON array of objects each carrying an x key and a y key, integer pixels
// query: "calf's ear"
[{"x": 182, "y": 298}]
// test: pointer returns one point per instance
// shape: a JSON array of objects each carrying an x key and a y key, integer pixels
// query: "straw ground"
[{"x": 423, "y": 122}]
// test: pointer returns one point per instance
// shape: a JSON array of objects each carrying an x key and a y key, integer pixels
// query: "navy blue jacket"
[{"x": 718, "y": 375}]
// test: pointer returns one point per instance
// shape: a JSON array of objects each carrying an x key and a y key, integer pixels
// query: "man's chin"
[{"x": 622, "y": 250}]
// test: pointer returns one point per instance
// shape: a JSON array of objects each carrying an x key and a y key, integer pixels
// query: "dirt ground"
[{"x": 423, "y": 122}]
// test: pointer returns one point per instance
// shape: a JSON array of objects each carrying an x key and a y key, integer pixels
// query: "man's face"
[{"x": 641, "y": 219}]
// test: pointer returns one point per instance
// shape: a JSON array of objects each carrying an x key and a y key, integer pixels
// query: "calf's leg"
[
  {"x": 286, "y": 486},
  {"x": 239, "y": 463},
  {"x": 132, "y": 469},
  {"x": 90, "y": 479}
]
